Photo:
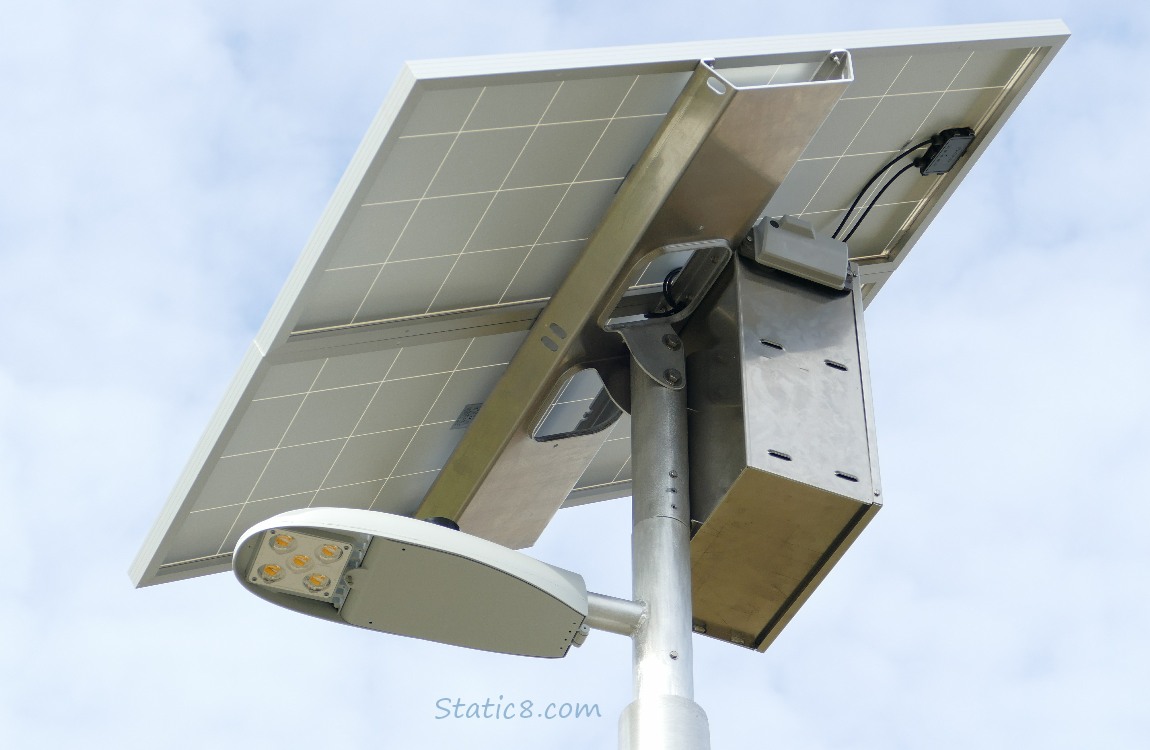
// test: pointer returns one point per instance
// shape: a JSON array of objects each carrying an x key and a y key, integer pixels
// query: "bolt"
[
  {"x": 672, "y": 376},
  {"x": 672, "y": 342},
  {"x": 674, "y": 654},
  {"x": 700, "y": 628},
  {"x": 672, "y": 473}
]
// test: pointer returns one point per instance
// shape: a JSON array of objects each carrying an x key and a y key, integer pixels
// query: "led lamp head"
[{"x": 406, "y": 577}]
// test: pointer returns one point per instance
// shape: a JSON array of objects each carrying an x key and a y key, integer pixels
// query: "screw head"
[
  {"x": 672, "y": 342},
  {"x": 674, "y": 654},
  {"x": 673, "y": 376}
]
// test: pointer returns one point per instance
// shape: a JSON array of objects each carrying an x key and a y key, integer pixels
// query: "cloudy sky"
[{"x": 163, "y": 164}]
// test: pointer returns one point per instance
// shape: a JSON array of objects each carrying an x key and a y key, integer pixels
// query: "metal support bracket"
[
  {"x": 681, "y": 296},
  {"x": 658, "y": 351},
  {"x": 652, "y": 341}
]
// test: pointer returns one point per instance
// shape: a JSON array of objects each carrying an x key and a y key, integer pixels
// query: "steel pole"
[{"x": 664, "y": 715}]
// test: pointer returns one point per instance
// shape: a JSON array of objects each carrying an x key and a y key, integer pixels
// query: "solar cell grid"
[
  {"x": 348, "y": 437},
  {"x": 495, "y": 211}
]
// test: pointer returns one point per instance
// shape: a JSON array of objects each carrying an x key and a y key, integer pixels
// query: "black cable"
[
  {"x": 668, "y": 280},
  {"x": 871, "y": 181},
  {"x": 876, "y": 197},
  {"x": 672, "y": 307}
]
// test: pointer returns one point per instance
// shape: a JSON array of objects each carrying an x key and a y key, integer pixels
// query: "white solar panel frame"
[{"x": 272, "y": 374}]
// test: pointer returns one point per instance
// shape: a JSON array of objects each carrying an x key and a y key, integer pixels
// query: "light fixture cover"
[{"x": 426, "y": 581}]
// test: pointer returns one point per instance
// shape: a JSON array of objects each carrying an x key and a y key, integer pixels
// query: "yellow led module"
[
  {"x": 282, "y": 542},
  {"x": 293, "y": 561},
  {"x": 270, "y": 573},
  {"x": 316, "y": 582}
]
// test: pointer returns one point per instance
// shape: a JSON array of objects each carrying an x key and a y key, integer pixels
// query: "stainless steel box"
[{"x": 784, "y": 472}]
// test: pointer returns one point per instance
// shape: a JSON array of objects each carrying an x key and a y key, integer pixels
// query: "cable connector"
[{"x": 946, "y": 148}]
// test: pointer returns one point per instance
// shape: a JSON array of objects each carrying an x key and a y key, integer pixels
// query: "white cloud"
[{"x": 164, "y": 163}]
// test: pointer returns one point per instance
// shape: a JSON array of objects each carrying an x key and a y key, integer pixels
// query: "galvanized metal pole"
[{"x": 664, "y": 715}]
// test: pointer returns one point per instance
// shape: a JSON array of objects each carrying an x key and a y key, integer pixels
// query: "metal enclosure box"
[{"x": 784, "y": 471}]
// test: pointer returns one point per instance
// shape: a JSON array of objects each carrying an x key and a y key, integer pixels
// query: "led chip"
[
  {"x": 282, "y": 542},
  {"x": 316, "y": 582}
]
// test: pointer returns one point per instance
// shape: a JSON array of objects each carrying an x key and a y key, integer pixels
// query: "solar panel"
[{"x": 473, "y": 194}]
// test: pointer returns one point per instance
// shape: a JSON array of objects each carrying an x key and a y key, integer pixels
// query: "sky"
[{"x": 163, "y": 165}]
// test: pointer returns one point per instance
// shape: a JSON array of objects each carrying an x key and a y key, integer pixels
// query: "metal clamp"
[
  {"x": 685, "y": 292},
  {"x": 653, "y": 342},
  {"x": 658, "y": 350}
]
